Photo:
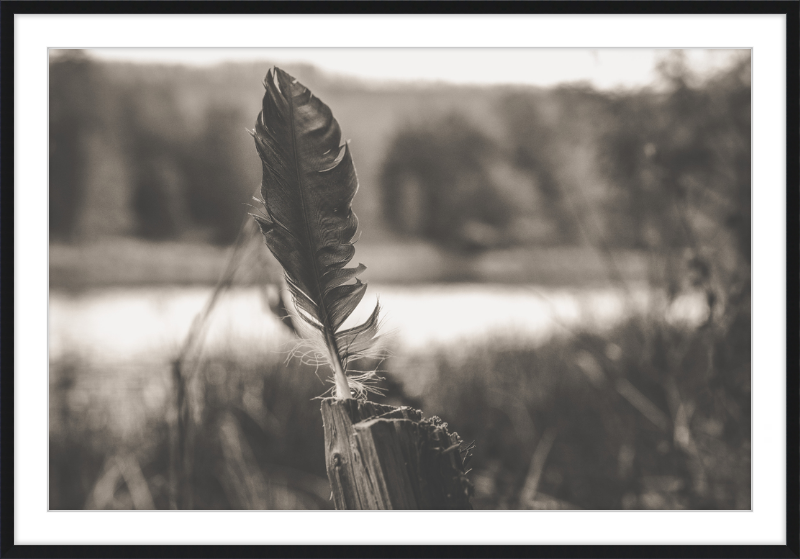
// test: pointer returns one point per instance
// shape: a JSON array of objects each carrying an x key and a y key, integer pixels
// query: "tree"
[
  {"x": 436, "y": 184},
  {"x": 536, "y": 145},
  {"x": 73, "y": 80},
  {"x": 680, "y": 161},
  {"x": 220, "y": 177}
]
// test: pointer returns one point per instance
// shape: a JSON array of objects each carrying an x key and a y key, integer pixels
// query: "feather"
[{"x": 308, "y": 183}]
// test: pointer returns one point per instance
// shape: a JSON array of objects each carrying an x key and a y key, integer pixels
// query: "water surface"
[{"x": 125, "y": 324}]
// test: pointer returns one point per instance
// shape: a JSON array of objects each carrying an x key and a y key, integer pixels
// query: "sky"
[{"x": 603, "y": 68}]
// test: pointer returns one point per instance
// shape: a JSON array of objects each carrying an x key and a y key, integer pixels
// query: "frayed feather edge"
[{"x": 310, "y": 348}]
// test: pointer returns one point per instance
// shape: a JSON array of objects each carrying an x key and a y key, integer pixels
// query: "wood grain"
[{"x": 383, "y": 458}]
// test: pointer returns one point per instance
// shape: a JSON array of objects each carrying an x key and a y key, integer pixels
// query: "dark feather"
[{"x": 308, "y": 183}]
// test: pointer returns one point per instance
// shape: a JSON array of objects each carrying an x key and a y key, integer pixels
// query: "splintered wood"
[{"x": 380, "y": 457}]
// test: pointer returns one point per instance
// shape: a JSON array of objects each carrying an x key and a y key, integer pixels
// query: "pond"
[{"x": 128, "y": 324}]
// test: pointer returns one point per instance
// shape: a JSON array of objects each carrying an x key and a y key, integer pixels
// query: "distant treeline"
[{"x": 162, "y": 152}]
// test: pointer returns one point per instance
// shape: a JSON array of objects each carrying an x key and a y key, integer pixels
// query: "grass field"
[{"x": 646, "y": 416}]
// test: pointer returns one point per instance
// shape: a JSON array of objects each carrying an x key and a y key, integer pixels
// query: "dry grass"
[{"x": 647, "y": 415}]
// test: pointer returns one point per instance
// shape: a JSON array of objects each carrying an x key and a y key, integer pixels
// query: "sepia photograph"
[{"x": 399, "y": 278}]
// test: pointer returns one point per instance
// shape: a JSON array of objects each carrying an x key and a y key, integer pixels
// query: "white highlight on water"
[{"x": 129, "y": 324}]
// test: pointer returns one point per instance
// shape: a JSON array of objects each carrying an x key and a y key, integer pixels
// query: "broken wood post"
[{"x": 380, "y": 457}]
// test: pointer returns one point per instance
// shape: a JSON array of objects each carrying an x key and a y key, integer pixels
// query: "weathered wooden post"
[{"x": 380, "y": 458}]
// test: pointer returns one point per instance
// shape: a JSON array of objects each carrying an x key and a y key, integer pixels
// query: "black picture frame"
[{"x": 9, "y": 244}]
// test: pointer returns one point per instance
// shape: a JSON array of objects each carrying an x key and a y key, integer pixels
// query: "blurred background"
[{"x": 562, "y": 251}]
